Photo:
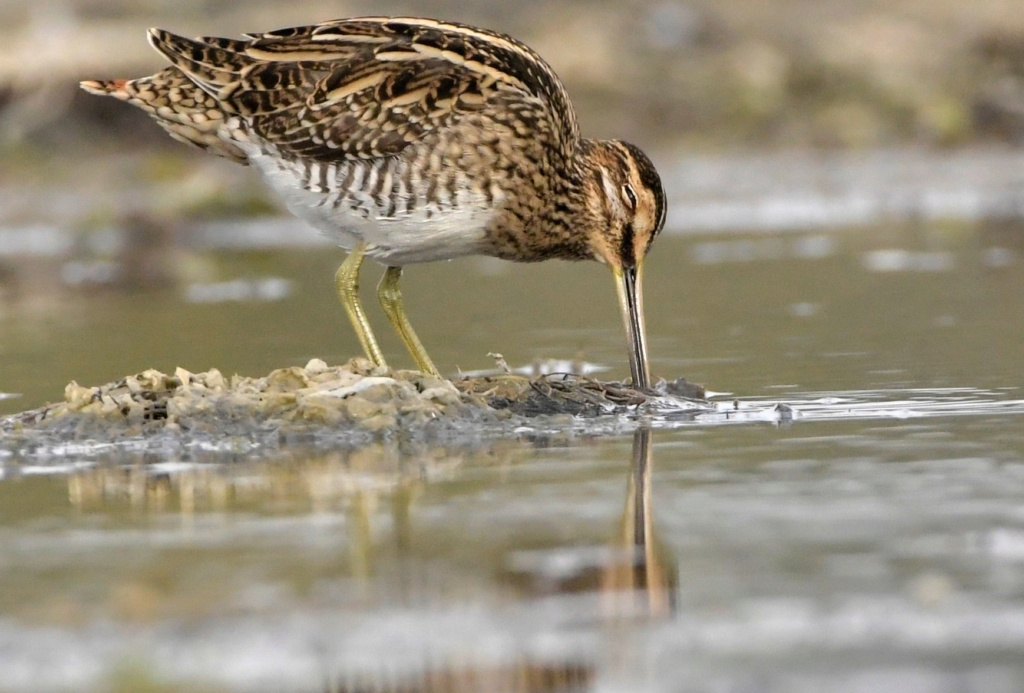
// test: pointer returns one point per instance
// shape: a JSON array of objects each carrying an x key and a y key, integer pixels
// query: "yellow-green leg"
[
  {"x": 347, "y": 281},
  {"x": 391, "y": 301}
]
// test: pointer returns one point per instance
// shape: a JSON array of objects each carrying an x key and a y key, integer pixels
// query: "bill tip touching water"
[{"x": 414, "y": 140}]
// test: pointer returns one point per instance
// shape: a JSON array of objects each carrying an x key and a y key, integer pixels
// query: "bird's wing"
[{"x": 368, "y": 87}]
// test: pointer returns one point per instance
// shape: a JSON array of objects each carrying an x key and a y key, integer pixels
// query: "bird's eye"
[{"x": 627, "y": 189}]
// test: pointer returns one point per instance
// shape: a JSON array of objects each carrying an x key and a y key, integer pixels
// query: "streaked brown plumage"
[{"x": 412, "y": 140}]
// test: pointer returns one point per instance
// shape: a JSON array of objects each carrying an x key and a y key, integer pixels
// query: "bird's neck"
[{"x": 578, "y": 211}]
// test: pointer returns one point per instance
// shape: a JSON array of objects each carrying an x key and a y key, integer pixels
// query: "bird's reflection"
[
  {"x": 621, "y": 579},
  {"x": 642, "y": 581},
  {"x": 631, "y": 575}
]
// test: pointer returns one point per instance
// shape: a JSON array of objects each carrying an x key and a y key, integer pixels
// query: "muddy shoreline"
[{"x": 350, "y": 405}]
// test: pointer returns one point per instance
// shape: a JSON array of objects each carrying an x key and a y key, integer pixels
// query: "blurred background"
[{"x": 681, "y": 74}]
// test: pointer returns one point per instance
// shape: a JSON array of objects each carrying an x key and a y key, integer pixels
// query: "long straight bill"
[{"x": 629, "y": 282}]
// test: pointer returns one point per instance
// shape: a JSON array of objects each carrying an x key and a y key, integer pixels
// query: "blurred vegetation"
[
  {"x": 698, "y": 73},
  {"x": 678, "y": 76}
]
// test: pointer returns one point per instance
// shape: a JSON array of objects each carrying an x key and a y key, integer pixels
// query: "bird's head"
[{"x": 627, "y": 203}]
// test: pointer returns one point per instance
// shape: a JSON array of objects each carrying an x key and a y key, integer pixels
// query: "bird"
[{"x": 409, "y": 140}]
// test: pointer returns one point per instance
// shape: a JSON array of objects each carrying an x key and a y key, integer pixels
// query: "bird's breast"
[{"x": 402, "y": 217}]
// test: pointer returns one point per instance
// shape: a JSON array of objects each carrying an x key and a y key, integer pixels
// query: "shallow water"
[{"x": 851, "y": 518}]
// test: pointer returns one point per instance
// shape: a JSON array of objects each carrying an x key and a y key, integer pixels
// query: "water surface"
[{"x": 866, "y": 535}]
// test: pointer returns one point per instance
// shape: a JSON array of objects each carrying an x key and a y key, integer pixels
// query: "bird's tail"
[
  {"x": 107, "y": 87},
  {"x": 187, "y": 112}
]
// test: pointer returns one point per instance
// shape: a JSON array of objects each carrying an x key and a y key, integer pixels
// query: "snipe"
[{"x": 413, "y": 140}]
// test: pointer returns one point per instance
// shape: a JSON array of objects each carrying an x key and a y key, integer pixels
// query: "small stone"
[
  {"x": 214, "y": 380},
  {"x": 275, "y": 402},
  {"x": 334, "y": 378},
  {"x": 287, "y": 379},
  {"x": 426, "y": 407},
  {"x": 359, "y": 409},
  {"x": 321, "y": 410},
  {"x": 430, "y": 382},
  {"x": 361, "y": 366},
  {"x": 181, "y": 374},
  {"x": 381, "y": 422},
  {"x": 77, "y": 396},
  {"x": 316, "y": 366},
  {"x": 381, "y": 392},
  {"x": 442, "y": 395}
]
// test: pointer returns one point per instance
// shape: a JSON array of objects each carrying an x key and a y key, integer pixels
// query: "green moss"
[
  {"x": 225, "y": 205},
  {"x": 137, "y": 676}
]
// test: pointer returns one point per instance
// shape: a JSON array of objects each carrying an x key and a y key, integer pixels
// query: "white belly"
[{"x": 396, "y": 231}]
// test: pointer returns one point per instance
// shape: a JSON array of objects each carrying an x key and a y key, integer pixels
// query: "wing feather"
[{"x": 370, "y": 86}]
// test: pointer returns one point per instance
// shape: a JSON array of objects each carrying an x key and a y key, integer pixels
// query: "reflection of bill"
[{"x": 641, "y": 582}]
